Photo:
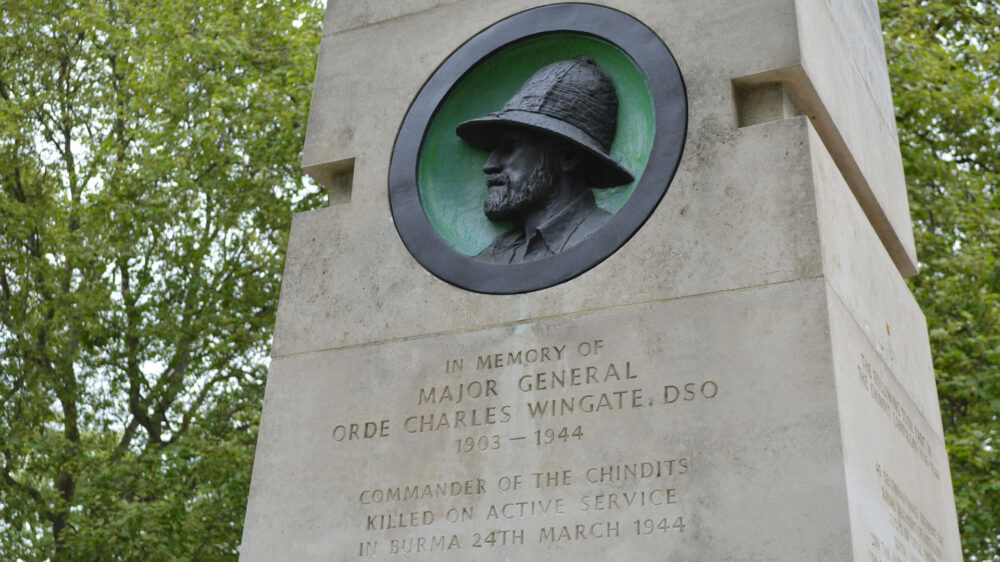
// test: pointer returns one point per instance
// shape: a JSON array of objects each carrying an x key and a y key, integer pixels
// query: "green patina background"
[{"x": 450, "y": 177}]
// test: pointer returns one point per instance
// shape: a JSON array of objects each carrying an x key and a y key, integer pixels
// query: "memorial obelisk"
[{"x": 621, "y": 280}]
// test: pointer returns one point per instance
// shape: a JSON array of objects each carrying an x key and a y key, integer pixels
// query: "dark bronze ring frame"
[{"x": 666, "y": 87}]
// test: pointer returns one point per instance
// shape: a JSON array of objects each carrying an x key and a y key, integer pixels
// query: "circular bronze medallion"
[{"x": 567, "y": 120}]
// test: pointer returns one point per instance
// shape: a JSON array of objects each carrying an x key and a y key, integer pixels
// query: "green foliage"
[
  {"x": 944, "y": 59},
  {"x": 148, "y": 172}
]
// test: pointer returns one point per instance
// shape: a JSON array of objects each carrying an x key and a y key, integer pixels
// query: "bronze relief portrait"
[
  {"x": 548, "y": 145},
  {"x": 537, "y": 148}
]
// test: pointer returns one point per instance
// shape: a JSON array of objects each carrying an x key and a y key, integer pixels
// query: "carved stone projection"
[{"x": 548, "y": 144}]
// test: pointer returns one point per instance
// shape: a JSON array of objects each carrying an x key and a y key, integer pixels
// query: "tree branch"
[{"x": 9, "y": 479}]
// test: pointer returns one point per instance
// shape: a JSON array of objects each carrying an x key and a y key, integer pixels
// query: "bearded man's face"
[{"x": 521, "y": 174}]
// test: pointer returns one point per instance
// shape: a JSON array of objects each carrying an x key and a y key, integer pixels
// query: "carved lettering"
[
  {"x": 520, "y": 357},
  {"x": 456, "y": 393},
  {"x": 565, "y": 504},
  {"x": 568, "y": 533}
]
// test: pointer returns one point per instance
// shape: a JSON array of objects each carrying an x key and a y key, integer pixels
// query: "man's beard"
[{"x": 506, "y": 202}]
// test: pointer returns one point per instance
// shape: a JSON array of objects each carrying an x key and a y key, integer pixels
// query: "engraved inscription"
[
  {"x": 655, "y": 496},
  {"x": 914, "y": 538},
  {"x": 540, "y": 398},
  {"x": 881, "y": 393},
  {"x": 446, "y": 393}
]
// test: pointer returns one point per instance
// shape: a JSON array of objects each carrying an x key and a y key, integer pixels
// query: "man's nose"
[{"x": 493, "y": 164}]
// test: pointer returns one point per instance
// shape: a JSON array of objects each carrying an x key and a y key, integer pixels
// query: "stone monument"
[{"x": 611, "y": 281}]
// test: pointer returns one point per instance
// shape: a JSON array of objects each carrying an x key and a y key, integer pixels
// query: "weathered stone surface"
[
  {"x": 786, "y": 416},
  {"x": 699, "y": 240},
  {"x": 855, "y": 31},
  {"x": 898, "y": 481},
  {"x": 810, "y": 430},
  {"x": 342, "y": 15},
  {"x": 735, "y": 388},
  {"x": 854, "y": 89},
  {"x": 864, "y": 280},
  {"x": 362, "y": 118}
]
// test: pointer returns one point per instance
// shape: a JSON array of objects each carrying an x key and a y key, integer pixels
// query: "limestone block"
[
  {"x": 855, "y": 29},
  {"x": 740, "y": 213},
  {"x": 725, "y": 409},
  {"x": 898, "y": 481},
  {"x": 863, "y": 279},
  {"x": 772, "y": 393},
  {"x": 355, "y": 114},
  {"x": 854, "y": 89}
]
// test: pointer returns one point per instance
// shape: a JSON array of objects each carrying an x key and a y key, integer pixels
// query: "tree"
[
  {"x": 944, "y": 60},
  {"x": 148, "y": 172}
]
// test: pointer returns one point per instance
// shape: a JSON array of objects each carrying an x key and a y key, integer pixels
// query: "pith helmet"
[{"x": 573, "y": 99}]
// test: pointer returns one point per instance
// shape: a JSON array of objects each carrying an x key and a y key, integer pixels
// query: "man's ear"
[{"x": 571, "y": 158}]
